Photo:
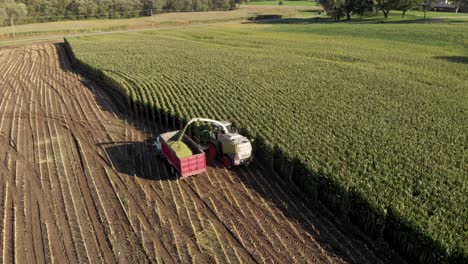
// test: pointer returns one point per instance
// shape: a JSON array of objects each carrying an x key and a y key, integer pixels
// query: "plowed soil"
[{"x": 79, "y": 185}]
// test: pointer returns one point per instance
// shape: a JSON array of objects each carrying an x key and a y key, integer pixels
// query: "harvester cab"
[
  {"x": 221, "y": 140},
  {"x": 231, "y": 147}
]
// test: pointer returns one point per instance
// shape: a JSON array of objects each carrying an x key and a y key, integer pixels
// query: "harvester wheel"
[
  {"x": 227, "y": 162},
  {"x": 212, "y": 151}
]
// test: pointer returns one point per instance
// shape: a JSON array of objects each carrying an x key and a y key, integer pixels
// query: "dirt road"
[{"x": 78, "y": 185}]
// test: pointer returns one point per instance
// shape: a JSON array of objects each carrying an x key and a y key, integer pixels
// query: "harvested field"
[{"x": 78, "y": 184}]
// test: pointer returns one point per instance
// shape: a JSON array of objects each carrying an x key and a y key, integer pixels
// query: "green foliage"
[
  {"x": 232, "y": 4},
  {"x": 405, "y": 5},
  {"x": 52, "y": 10},
  {"x": 427, "y": 4},
  {"x": 83, "y": 7},
  {"x": 287, "y": 3},
  {"x": 382, "y": 111},
  {"x": 359, "y": 7},
  {"x": 340, "y": 8},
  {"x": 386, "y": 5},
  {"x": 3, "y": 15},
  {"x": 12, "y": 11},
  {"x": 459, "y": 4}
]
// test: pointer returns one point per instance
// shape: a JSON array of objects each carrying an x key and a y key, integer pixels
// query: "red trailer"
[{"x": 185, "y": 167}]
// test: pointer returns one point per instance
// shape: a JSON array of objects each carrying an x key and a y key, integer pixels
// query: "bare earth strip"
[{"x": 78, "y": 185}]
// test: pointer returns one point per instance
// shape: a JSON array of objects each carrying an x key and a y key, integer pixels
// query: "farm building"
[{"x": 448, "y": 6}]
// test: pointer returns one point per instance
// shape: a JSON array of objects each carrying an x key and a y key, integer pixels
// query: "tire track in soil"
[
  {"x": 294, "y": 245},
  {"x": 251, "y": 226},
  {"x": 78, "y": 184}
]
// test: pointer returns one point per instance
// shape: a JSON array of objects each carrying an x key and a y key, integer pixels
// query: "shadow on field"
[
  {"x": 138, "y": 159},
  {"x": 381, "y": 20},
  {"x": 455, "y": 59},
  {"x": 327, "y": 20},
  {"x": 280, "y": 20}
]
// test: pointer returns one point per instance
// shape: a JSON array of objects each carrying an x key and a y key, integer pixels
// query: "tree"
[
  {"x": 174, "y": 5},
  {"x": 426, "y": 6},
  {"x": 45, "y": 9},
  {"x": 221, "y": 4},
  {"x": 125, "y": 8},
  {"x": 59, "y": 7},
  {"x": 363, "y": 6},
  {"x": 83, "y": 8},
  {"x": 103, "y": 7},
  {"x": 3, "y": 15},
  {"x": 201, "y": 5},
  {"x": 357, "y": 7},
  {"x": 334, "y": 8},
  {"x": 349, "y": 7},
  {"x": 386, "y": 5},
  {"x": 405, "y": 5},
  {"x": 232, "y": 4},
  {"x": 340, "y": 8},
  {"x": 459, "y": 3},
  {"x": 147, "y": 4},
  {"x": 13, "y": 11},
  {"x": 159, "y": 4}
]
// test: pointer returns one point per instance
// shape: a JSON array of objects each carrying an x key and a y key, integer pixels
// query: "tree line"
[
  {"x": 339, "y": 9},
  {"x": 27, "y": 11}
]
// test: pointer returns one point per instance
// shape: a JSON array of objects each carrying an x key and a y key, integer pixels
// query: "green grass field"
[
  {"x": 287, "y": 3},
  {"x": 381, "y": 110}
]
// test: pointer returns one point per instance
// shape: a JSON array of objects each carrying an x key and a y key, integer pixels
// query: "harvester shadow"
[
  {"x": 135, "y": 159},
  {"x": 107, "y": 97}
]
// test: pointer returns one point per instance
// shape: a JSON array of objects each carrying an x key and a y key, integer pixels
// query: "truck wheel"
[
  {"x": 212, "y": 151},
  {"x": 227, "y": 162}
]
